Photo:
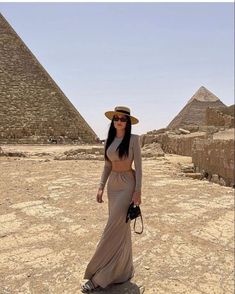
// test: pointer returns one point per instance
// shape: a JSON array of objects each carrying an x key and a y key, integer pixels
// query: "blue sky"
[{"x": 151, "y": 57}]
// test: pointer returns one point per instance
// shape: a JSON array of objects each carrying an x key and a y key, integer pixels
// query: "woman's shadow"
[{"x": 122, "y": 288}]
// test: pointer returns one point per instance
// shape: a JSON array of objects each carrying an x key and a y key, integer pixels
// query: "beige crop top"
[{"x": 134, "y": 154}]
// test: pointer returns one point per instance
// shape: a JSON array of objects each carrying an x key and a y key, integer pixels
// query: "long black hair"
[{"x": 123, "y": 147}]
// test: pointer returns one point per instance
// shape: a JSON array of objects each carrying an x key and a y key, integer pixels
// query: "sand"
[{"x": 50, "y": 224}]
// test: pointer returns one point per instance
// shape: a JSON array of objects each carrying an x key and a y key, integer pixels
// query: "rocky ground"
[{"x": 50, "y": 224}]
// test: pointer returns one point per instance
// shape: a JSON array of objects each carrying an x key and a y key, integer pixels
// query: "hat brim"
[{"x": 110, "y": 114}]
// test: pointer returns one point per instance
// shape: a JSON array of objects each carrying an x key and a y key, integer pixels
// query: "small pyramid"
[
  {"x": 33, "y": 107},
  {"x": 194, "y": 112}
]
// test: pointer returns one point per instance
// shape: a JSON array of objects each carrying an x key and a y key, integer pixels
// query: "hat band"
[{"x": 123, "y": 111}]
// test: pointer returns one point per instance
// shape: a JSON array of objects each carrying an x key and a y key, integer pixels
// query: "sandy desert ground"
[{"x": 50, "y": 224}]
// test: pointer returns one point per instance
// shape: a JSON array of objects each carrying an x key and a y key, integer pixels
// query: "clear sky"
[{"x": 151, "y": 57}]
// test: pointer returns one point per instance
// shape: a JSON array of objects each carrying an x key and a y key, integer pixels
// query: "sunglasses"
[{"x": 122, "y": 119}]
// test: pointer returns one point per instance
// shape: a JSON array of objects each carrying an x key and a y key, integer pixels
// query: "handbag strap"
[{"x": 141, "y": 223}]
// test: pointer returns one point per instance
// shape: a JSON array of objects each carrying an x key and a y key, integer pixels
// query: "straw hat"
[{"x": 121, "y": 110}]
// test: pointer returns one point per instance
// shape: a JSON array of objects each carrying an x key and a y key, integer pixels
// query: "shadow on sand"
[{"x": 124, "y": 288}]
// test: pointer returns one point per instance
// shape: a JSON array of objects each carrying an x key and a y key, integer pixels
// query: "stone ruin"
[
  {"x": 220, "y": 117},
  {"x": 33, "y": 107},
  {"x": 35, "y": 110},
  {"x": 204, "y": 130}
]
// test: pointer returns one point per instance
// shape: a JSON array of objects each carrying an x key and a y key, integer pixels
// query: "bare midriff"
[{"x": 121, "y": 165}]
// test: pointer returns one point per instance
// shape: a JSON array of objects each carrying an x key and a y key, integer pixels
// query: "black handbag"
[{"x": 133, "y": 213}]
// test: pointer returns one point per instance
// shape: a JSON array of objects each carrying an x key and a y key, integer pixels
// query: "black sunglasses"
[{"x": 122, "y": 119}]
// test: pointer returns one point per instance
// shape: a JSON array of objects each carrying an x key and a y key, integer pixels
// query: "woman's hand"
[
  {"x": 136, "y": 198},
  {"x": 99, "y": 195}
]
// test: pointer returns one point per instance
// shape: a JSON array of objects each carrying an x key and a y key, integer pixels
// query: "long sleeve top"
[{"x": 134, "y": 155}]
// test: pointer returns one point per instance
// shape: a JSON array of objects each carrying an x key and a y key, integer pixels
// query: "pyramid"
[
  {"x": 194, "y": 112},
  {"x": 33, "y": 107}
]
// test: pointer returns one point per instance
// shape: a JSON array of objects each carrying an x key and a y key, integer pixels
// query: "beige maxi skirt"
[{"x": 112, "y": 261}]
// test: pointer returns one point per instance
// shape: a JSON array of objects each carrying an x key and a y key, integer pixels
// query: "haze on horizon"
[{"x": 151, "y": 57}]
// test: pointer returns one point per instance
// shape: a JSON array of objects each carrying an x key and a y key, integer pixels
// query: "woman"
[{"x": 112, "y": 261}]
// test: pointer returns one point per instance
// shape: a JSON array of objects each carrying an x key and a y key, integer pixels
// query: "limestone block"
[
  {"x": 187, "y": 168},
  {"x": 194, "y": 175},
  {"x": 159, "y": 131},
  {"x": 183, "y": 131},
  {"x": 152, "y": 150},
  {"x": 147, "y": 139}
]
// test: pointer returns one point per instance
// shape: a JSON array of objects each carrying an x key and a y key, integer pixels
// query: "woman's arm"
[
  {"x": 138, "y": 163},
  {"x": 105, "y": 174},
  {"x": 106, "y": 171}
]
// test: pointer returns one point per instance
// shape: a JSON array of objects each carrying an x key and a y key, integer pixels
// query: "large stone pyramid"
[
  {"x": 194, "y": 112},
  {"x": 32, "y": 106}
]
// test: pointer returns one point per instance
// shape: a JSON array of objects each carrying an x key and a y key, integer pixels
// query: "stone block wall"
[
  {"x": 215, "y": 117},
  {"x": 178, "y": 144},
  {"x": 215, "y": 158}
]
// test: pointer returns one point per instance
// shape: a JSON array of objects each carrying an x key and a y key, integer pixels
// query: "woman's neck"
[{"x": 120, "y": 135}]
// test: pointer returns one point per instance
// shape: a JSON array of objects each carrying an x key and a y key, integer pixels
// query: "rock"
[
  {"x": 1, "y": 152},
  {"x": 215, "y": 178},
  {"x": 222, "y": 182},
  {"x": 16, "y": 154},
  {"x": 152, "y": 150},
  {"x": 193, "y": 128},
  {"x": 97, "y": 150},
  {"x": 159, "y": 131},
  {"x": 187, "y": 168},
  {"x": 194, "y": 175},
  {"x": 80, "y": 154},
  {"x": 147, "y": 139},
  {"x": 183, "y": 131}
]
